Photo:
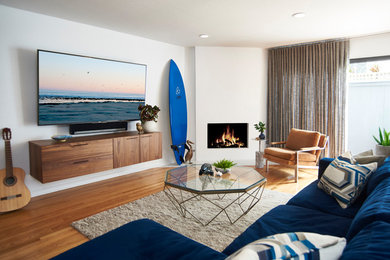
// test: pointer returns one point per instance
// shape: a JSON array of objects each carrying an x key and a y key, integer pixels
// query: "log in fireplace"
[{"x": 227, "y": 135}]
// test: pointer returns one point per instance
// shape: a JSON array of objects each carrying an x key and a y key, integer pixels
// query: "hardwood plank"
[{"x": 42, "y": 229}]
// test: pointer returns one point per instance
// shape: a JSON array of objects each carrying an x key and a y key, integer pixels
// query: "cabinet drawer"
[
  {"x": 126, "y": 151},
  {"x": 62, "y": 169},
  {"x": 75, "y": 151}
]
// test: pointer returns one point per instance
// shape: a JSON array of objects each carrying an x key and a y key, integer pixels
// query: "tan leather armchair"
[{"x": 302, "y": 150}]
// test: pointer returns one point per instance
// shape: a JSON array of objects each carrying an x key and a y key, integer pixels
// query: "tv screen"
[{"x": 75, "y": 89}]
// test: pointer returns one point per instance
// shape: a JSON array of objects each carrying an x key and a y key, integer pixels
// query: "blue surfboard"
[{"x": 177, "y": 112}]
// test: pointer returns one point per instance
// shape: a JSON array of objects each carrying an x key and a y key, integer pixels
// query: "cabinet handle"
[
  {"x": 129, "y": 138},
  {"x": 78, "y": 162},
  {"x": 82, "y": 144}
]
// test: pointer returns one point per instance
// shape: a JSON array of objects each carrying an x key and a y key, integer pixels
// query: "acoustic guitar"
[{"x": 13, "y": 192}]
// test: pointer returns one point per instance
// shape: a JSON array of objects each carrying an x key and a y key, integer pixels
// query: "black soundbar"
[{"x": 97, "y": 127}]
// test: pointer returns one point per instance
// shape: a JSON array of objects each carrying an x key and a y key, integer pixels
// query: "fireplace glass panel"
[{"x": 227, "y": 135}]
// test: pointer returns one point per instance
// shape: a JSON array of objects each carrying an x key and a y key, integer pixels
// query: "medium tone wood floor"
[{"x": 42, "y": 229}]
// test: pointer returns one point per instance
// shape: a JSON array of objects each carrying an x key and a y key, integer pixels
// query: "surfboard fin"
[{"x": 176, "y": 149}]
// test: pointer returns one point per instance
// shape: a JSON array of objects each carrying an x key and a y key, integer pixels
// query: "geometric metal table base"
[{"x": 244, "y": 200}]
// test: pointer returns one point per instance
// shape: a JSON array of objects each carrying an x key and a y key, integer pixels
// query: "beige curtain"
[{"x": 307, "y": 90}]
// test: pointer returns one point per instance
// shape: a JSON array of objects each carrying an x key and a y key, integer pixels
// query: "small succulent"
[
  {"x": 384, "y": 139},
  {"x": 260, "y": 127},
  {"x": 224, "y": 164}
]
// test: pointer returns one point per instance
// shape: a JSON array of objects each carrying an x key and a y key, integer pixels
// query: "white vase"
[
  {"x": 382, "y": 150},
  {"x": 150, "y": 126},
  {"x": 223, "y": 171}
]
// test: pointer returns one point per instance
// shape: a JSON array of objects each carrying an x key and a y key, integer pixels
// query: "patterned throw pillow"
[
  {"x": 345, "y": 180},
  {"x": 369, "y": 157},
  {"x": 299, "y": 245}
]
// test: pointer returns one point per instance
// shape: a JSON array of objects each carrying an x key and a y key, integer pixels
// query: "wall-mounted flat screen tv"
[{"x": 75, "y": 89}]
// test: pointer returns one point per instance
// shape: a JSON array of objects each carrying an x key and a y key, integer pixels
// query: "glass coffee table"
[{"x": 234, "y": 193}]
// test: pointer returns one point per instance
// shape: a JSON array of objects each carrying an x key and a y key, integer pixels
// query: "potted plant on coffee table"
[
  {"x": 383, "y": 143},
  {"x": 260, "y": 127},
  {"x": 148, "y": 115},
  {"x": 224, "y": 166}
]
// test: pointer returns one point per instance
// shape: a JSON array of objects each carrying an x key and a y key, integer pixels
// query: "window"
[{"x": 368, "y": 101}]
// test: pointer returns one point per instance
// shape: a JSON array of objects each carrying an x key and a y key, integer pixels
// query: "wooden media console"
[{"x": 52, "y": 160}]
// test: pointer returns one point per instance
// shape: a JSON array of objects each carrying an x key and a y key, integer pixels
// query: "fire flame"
[{"x": 228, "y": 139}]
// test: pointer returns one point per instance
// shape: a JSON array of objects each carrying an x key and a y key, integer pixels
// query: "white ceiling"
[{"x": 247, "y": 23}]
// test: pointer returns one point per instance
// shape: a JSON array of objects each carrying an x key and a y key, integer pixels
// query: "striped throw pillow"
[
  {"x": 345, "y": 180},
  {"x": 299, "y": 245}
]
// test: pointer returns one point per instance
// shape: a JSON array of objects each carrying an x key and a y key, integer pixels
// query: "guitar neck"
[{"x": 8, "y": 159}]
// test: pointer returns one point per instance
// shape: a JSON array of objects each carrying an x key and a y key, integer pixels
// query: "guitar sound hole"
[{"x": 9, "y": 181}]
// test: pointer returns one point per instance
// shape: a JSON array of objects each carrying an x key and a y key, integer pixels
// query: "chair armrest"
[
  {"x": 275, "y": 143},
  {"x": 308, "y": 149}
]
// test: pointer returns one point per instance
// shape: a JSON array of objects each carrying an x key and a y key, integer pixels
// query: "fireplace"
[{"x": 227, "y": 135}]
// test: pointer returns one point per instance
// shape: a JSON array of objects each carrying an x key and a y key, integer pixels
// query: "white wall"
[
  {"x": 22, "y": 33},
  {"x": 230, "y": 87},
  {"x": 368, "y": 105},
  {"x": 370, "y": 46},
  {"x": 189, "y": 80}
]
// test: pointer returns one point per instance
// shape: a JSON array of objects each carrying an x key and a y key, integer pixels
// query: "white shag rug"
[{"x": 217, "y": 235}]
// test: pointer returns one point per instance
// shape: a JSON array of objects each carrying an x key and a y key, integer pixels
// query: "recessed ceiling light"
[
  {"x": 298, "y": 15},
  {"x": 203, "y": 36}
]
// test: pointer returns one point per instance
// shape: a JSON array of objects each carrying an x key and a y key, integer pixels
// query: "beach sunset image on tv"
[{"x": 76, "y": 89}]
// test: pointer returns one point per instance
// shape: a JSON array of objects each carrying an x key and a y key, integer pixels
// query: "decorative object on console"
[
  {"x": 148, "y": 115},
  {"x": 190, "y": 152},
  {"x": 13, "y": 192},
  {"x": 224, "y": 166},
  {"x": 302, "y": 245},
  {"x": 61, "y": 138},
  {"x": 260, "y": 127},
  {"x": 345, "y": 180},
  {"x": 140, "y": 129},
  {"x": 383, "y": 143}
]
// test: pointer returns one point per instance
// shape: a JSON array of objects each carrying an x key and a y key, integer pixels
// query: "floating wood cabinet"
[
  {"x": 150, "y": 147},
  {"x": 52, "y": 161}
]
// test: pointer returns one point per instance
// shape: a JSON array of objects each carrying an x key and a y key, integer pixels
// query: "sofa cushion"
[
  {"x": 344, "y": 180},
  {"x": 141, "y": 239},
  {"x": 372, "y": 242},
  {"x": 375, "y": 208},
  {"x": 298, "y": 139},
  {"x": 314, "y": 198},
  {"x": 290, "y": 218},
  {"x": 290, "y": 155},
  {"x": 302, "y": 245},
  {"x": 369, "y": 157}
]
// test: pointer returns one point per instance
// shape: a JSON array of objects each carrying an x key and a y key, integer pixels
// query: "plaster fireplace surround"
[{"x": 227, "y": 135}]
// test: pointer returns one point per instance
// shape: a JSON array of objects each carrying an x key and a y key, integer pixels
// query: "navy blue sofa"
[{"x": 366, "y": 226}]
